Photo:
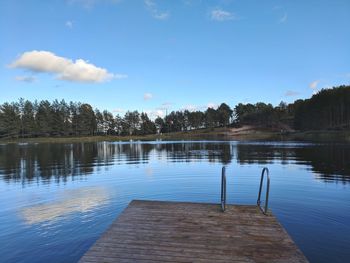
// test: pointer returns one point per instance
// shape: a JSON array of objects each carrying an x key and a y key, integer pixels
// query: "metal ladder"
[
  {"x": 258, "y": 202},
  {"x": 265, "y": 171},
  {"x": 223, "y": 189}
]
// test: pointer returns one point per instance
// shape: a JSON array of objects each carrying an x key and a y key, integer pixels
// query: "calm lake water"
[{"x": 57, "y": 199}]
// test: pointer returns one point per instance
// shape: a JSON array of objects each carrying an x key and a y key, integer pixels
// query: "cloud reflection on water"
[{"x": 71, "y": 201}]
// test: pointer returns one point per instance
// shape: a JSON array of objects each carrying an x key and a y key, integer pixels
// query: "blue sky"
[{"x": 154, "y": 55}]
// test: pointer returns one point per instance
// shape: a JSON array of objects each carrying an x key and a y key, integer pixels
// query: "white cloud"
[
  {"x": 85, "y": 72},
  {"x": 190, "y": 107},
  {"x": 222, "y": 15},
  {"x": 313, "y": 85},
  {"x": 161, "y": 16},
  {"x": 120, "y": 76},
  {"x": 84, "y": 3},
  {"x": 291, "y": 93},
  {"x": 191, "y": 2},
  {"x": 284, "y": 18},
  {"x": 41, "y": 61},
  {"x": 28, "y": 79},
  {"x": 153, "y": 114},
  {"x": 160, "y": 111},
  {"x": 165, "y": 106},
  {"x": 150, "y": 3},
  {"x": 64, "y": 68},
  {"x": 147, "y": 96},
  {"x": 155, "y": 12},
  {"x": 212, "y": 105},
  {"x": 69, "y": 24},
  {"x": 90, "y": 3},
  {"x": 119, "y": 110}
]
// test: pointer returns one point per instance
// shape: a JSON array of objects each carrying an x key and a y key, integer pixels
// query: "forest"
[{"x": 327, "y": 109}]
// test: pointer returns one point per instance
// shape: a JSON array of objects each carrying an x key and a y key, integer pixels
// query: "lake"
[{"x": 57, "y": 199}]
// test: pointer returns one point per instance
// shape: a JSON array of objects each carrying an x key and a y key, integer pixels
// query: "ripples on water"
[{"x": 57, "y": 199}]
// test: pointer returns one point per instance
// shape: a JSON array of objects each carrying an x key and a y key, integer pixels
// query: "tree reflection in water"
[{"x": 56, "y": 162}]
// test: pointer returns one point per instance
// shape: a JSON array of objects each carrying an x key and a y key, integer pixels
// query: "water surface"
[{"x": 57, "y": 199}]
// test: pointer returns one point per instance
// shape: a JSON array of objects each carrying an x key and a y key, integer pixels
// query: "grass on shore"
[{"x": 201, "y": 134}]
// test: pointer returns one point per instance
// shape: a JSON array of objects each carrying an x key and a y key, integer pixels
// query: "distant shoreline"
[{"x": 249, "y": 134}]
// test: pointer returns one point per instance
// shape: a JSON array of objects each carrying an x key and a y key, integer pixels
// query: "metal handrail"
[
  {"x": 223, "y": 189},
  {"x": 264, "y": 210}
]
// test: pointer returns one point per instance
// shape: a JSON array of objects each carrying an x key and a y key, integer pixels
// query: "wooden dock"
[{"x": 153, "y": 231}]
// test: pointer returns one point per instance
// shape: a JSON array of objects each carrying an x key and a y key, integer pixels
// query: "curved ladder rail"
[
  {"x": 223, "y": 189},
  {"x": 264, "y": 210}
]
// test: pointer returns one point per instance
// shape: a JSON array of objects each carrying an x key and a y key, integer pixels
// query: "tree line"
[
  {"x": 328, "y": 109},
  {"x": 59, "y": 118}
]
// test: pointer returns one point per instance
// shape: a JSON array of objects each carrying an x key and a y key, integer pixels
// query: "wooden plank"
[{"x": 156, "y": 231}]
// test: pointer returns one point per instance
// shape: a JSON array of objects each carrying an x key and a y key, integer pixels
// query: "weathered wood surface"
[{"x": 154, "y": 231}]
